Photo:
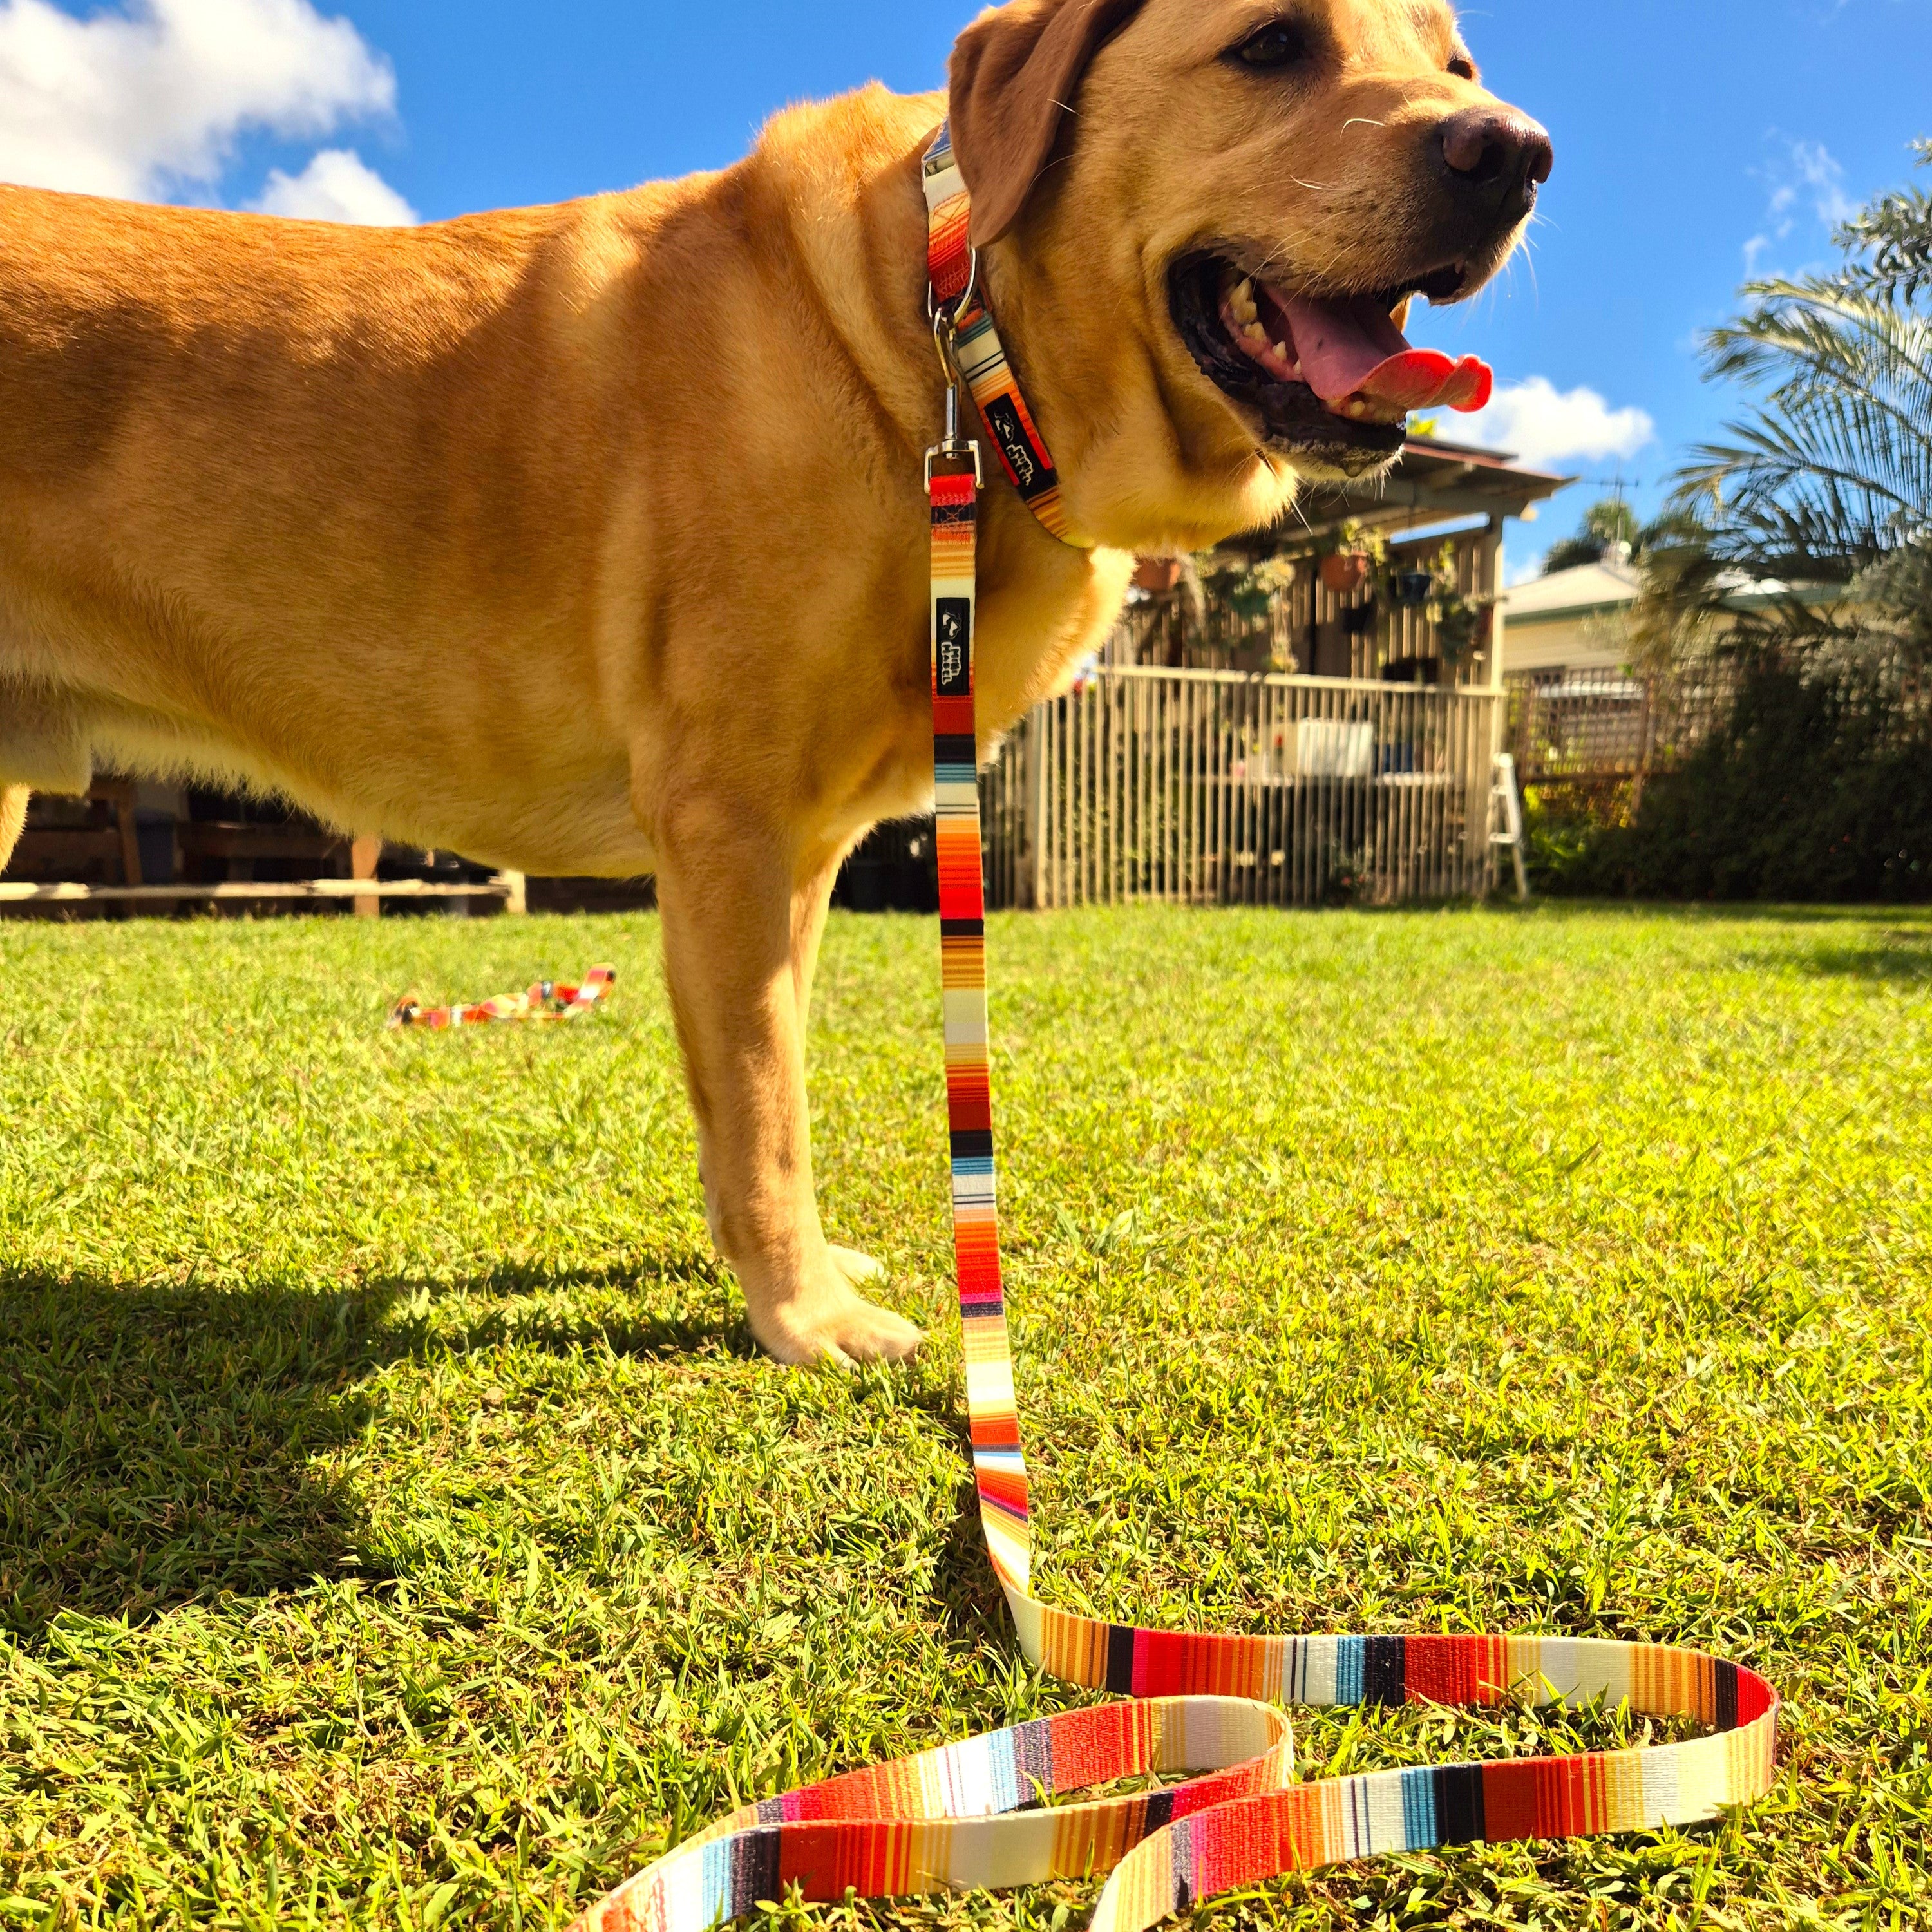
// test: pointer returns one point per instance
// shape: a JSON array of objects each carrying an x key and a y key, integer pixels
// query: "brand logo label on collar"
[{"x": 1016, "y": 450}]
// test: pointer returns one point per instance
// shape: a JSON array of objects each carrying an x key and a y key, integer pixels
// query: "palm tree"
[
  {"x": 1827, "y": 481},
  {"x": 1605, "y": 524},
  {"x": 1895, "y": 238}
]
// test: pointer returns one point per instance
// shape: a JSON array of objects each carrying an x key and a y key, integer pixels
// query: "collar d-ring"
[{"x": 945, "y": 313}]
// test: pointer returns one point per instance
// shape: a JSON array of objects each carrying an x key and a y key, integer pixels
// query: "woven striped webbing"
[
  {"x": 970, "y": 1814},
  {"x": 981, "y": 356}
]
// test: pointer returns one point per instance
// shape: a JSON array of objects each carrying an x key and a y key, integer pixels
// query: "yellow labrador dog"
[{"x": 590, "y": 539}]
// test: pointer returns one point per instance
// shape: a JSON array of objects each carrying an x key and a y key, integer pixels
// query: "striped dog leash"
[{"x": 974, "y": 1814}]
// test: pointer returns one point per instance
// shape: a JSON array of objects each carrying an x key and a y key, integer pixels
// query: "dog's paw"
[
  {"x": 835, "y": 1323},
  {"x": 858, "y": 1269}
]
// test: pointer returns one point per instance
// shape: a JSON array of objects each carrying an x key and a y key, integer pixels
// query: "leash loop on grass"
[{"x": 956, "y": 1816}]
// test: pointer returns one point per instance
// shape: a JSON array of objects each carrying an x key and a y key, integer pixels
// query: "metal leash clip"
[{"x": 953, "y": 447}]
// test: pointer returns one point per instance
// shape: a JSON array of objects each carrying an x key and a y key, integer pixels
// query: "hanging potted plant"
[
  {"x": 1346, "y": 568},
  {"x": 1344, "y": 572},
  {"x": 1249, "y": 590},
  {"x": 1460, "y": 621},
  {"x": 1413, "y": 588}
]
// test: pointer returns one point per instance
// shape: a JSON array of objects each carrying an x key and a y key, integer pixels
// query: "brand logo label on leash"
[{"x": 956, "y": 637}]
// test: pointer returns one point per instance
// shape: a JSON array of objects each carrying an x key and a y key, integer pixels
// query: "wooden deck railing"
[{"x": 1209, "y": 788}]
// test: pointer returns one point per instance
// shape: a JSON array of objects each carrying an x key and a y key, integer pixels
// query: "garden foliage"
[{"x": 1817, "y": 784}]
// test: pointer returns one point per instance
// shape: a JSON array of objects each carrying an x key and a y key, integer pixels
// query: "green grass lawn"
[{"x": 397, "y": 1527}]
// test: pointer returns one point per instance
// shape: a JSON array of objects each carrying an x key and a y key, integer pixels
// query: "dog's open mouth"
[{"x": 1332, "y": 377}]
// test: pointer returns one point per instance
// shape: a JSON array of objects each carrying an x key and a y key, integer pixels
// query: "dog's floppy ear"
[{"x": 1015, "y": 72}]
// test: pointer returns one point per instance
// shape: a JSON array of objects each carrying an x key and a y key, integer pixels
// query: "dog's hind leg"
[
  {"x": 740, "y": 930},
  {"x": 12, "y": 817}
]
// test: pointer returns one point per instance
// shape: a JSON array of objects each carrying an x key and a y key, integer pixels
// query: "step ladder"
[{"x": 1506, "y": 803}]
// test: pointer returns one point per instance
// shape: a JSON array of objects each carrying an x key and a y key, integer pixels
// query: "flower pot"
[
  {"x": 1345, "y": 573},
  {"x": 1412, "y": 587},
  {"x": 1157, "y": 575}
]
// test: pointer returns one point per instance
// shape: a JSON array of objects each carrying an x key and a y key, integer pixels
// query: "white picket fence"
[{"x": 1209, "y": 788}]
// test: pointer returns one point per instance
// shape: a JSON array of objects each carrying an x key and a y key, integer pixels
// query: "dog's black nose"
[{"x": 1497, "y": 160}]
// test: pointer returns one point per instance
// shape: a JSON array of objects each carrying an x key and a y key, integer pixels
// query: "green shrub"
[{"x": 1818, "y": 787}]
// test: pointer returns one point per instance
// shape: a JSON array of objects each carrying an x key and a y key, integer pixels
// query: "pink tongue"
[{"x": 1353, "y": 348}]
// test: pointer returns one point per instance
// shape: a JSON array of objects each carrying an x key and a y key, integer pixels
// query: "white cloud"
[
  {"x": 1545, "y": 427},
  {"x": 1806, "y": 176},
  {"x": 336, "y": 186},
  {"x": 1519, "y": 571},
  {"x": 147, "y": 100}
]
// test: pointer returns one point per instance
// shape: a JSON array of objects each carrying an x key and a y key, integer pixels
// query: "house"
[
  {"x": 1572, "y": 620},
  {"x": 1303, "y": 716}
]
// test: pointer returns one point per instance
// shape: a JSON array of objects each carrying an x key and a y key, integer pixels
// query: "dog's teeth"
[
  {"x": 1296, "y": 372},
  {"x": 1358, "y": 409},
  {"x": 1281, "y": 349},
  {"x": 1256, "y": 333}
]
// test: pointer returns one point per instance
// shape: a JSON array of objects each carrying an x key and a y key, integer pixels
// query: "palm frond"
[
  {"x": 1890, "y": 243},
  {"x": 1825, "y": 480}
]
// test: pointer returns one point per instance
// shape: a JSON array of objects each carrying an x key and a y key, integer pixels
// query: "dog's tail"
[{"x": 13, "y": 816}]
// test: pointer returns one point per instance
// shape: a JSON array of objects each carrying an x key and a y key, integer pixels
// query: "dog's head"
[{"x": 1206, "y": 220}]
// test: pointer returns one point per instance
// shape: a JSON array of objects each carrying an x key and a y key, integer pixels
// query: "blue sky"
[{"x": 1693, "y": 139}]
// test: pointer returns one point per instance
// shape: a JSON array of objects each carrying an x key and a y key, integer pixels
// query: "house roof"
[
  {"x": 1431, "y": 482},
  {"x": 1595, "y": 589},
  {"x": 1589, "y": 590}
]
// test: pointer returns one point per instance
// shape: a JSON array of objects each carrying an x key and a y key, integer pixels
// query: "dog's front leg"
[{"x": 740, "y": 932}]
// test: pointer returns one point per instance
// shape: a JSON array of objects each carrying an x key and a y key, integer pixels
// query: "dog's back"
[
  {"x": 396, "y": 521},
  {"x": 257, "y": 477}
]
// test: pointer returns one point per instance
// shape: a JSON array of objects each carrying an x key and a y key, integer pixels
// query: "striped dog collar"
[
  {"x": 979, "y": 356},
  {"x": 976, "y": 1813}
]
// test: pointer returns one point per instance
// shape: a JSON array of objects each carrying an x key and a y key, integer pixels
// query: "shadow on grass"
[
  {"x": 1902, "y": 958},
  {"x": 158, "y": 1442},
  {"x": 160, "y": 1445},
  {"x": 661, "y": 1307},
  {"x": 972, "y": 1607}
]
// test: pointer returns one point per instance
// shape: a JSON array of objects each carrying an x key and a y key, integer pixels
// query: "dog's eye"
[
  {"x": 1462, "y": 67},
  {"x": 1278, "y": 45}
]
